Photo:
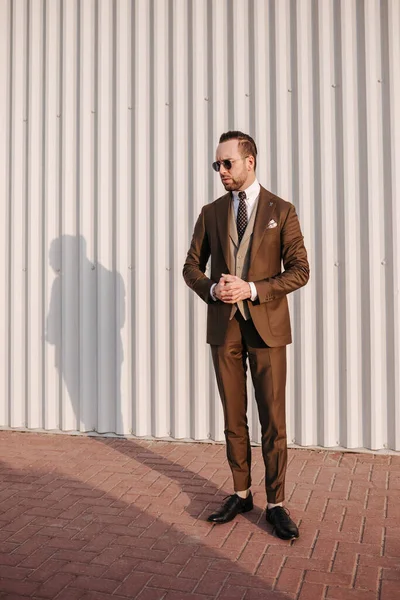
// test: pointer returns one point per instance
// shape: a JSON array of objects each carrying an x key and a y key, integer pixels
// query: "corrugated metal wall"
[{"x": 110, "y": 112}]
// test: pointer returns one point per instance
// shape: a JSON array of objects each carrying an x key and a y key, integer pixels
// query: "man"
[{"x": 249, "y": 232}]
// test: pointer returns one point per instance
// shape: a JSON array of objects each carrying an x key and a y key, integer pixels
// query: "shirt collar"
[{"x": 252, "y": 193}]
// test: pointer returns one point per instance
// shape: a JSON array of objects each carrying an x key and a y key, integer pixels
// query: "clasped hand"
[{"x": 230, "y": 289}]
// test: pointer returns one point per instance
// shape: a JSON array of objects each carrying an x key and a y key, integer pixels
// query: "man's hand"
[
  {"x": 218, "y": 290},
  {"x": 230, "y": 289}
]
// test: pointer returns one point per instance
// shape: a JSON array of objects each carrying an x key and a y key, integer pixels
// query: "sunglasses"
[{"x": 227, "y": 164}]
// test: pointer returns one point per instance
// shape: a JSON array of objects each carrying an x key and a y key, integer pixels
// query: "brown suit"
[{"x": 263, "y": 337}]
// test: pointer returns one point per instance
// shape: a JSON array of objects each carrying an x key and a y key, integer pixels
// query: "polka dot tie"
[{"x": 241, "y": 219}]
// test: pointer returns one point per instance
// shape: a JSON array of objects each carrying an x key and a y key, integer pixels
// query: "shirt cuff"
[
  {"x": 212, "y": 292},
  {"x": 253, "y": 291}
]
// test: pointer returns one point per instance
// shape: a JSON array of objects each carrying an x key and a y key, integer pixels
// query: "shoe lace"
[
  {"x": 230, "y": 498},
  {"x": 284, "y": 513}
]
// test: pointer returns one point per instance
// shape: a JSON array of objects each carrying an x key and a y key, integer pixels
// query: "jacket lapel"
[
  {"x": 266, "y": 206},
  {"x": 222, "y": 209}
]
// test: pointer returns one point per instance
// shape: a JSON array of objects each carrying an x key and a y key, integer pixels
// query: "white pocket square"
[{"x": 272, "y": 224}]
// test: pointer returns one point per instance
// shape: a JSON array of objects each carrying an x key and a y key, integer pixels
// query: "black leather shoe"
[
  {"x": 232, "y": 507},
  {"x": 285, "y": 528}
]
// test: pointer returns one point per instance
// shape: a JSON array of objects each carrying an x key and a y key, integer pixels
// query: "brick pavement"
[{"x": 91, "y": 518}]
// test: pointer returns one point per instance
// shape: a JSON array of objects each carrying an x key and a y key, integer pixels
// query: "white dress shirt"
[{"x": 252, "y": 193}]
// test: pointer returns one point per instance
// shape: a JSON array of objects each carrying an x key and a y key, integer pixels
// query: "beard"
[{"x": 231, "y": 184}]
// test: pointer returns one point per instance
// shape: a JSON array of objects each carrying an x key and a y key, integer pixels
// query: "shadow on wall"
[{"x": 84, "y": 322}]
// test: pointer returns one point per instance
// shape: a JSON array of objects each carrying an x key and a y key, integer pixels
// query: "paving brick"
[
  {"x": 250, "y": 581},
  {"x": 90, "y": 595},
  {"x": 69, "y": 593},
  {"x": 310, "y": 564},
  {"x": 341, "y": 579},
  {"x": 146, "y": 553},
  {"x": 13, "y": 586},
  {"x": 195, "y": 568},
  {"x": 83, "y": 569},
  {"x": 312, "y": 591},
  {"x": 224, "y": 565},
  {"x": 54, "y": 585},
  {"x": 180, "y": 554},
  {"x": 47, "y": 569},
  {"x": 150, "y": 594},
  {"x": 211, "y": 583},
  {"x": 180, "y": 584},
  {"x": 344, "y": 562},
  {"x": 339, "y": 593},
  {"x": 266, "y": 594},
  {"x": 367, "y": 578},
  {"x": 100, "y": 584},
  {"x": 232, "y": 592},
  {"x": 105, "y": 557},
  {"x": 11, "y": 559},
  {"x": 133, "y": 584},
  {"x": 390, "y": 590},
  {"x": 270, "y": 565},
  {"x": 149, "y": 566},
  {"x": 289, "y": 580},
  {"x": 184, "y": 596}
]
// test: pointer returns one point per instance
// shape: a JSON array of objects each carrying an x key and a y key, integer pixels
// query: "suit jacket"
[{"x": 270, "y": 247}]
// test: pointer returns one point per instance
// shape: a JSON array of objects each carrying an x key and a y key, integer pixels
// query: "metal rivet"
[
  {"x": 93, "y": 267},
  {"x": 130, "y": 267},
  {"x": 336, "y": 264},
  {"x": 383, "y": 262},
  {"x": 290, "y": 91}
]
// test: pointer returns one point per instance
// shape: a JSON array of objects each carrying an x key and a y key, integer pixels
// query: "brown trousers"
[{"x": 268, "y": 371}]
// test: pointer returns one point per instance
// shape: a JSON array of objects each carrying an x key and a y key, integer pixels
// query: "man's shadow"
[{"x": 84, "y": 322}]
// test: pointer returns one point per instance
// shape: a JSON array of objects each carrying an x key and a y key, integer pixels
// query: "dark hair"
[{"x": 246, "y": 143}]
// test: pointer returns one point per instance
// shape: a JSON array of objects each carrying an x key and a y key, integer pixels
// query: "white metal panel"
[
  {"x": 394, "y": 91},
  {"x": 36, "y": 261},
  {"x": 328, "y": 191},
  {"x": 70, "y": 407},
  {"x": 88, "y": 144},
  {"x": 18, "y": 232},
  {"x": 123, "y": 112},
  {"x": 53, "y": 259},
  {"x": 306, "y": 210},
  {"x": 160, "y": 277},
  {"x": 350, "y": 309},
  {"x": 180, "y": 363},
  {"x": 5, "y": 136},
  {"x": 142, "y": 225},
  {"x": 200, "y": 417},
  {"x": 109, "y": 123}
]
